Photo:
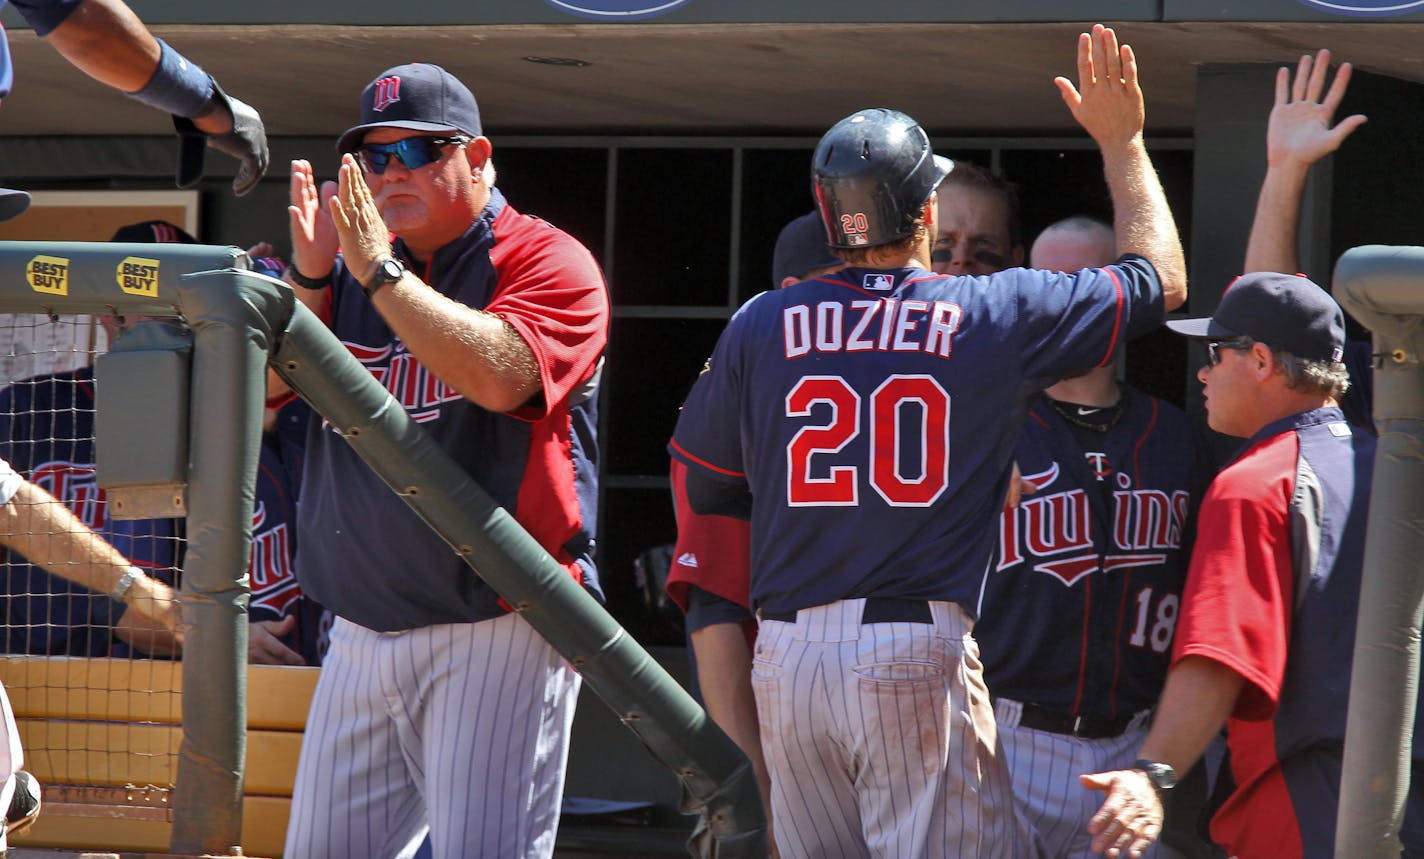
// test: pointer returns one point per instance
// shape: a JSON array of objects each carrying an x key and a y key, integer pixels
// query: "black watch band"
[
  {"x": 1162, "y": 776},
  {"x": 308, "y": 282},
  {"x": 386, "y": 272}
]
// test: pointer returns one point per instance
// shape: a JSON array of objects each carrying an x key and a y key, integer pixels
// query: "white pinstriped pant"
[
  {"x": 1045, "y": 768},
  {"x": 880, "y": 739},
  {"x": 12, "y": 756},
  {"x": 461, "y": 730}
]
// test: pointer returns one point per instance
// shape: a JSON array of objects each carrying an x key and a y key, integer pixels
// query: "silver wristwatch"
[
  {"x": 1162, "y": 776},
  {"x": 124, "y": 584}
]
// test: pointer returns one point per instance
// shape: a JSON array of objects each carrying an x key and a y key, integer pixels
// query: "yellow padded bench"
[{"x": 98, "y": 745}]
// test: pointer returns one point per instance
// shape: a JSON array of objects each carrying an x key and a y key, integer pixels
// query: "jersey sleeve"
[
  {"x": 45, "y": 15},
  {"x": 552, "y": 292},
  {"x": 708, "y": 432},
  {"x": 712, "y": 553},
  {"x": 706, "y": 609},
  {"x": 1236, "y": 607},
  {"x": 1073, "y": 322}
]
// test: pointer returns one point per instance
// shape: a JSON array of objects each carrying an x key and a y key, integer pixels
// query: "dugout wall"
[{"x": 242, "y": 323}]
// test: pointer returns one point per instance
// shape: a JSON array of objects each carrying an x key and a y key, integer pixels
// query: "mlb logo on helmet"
[
  {"x": 617, "y": 10},
  {"x": 387, "y": 93},
  {"x": 1365, "y": 8}
]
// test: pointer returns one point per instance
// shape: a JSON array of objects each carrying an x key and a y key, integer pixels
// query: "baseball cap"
[
  {"x": 270, "y": 266},
  {"x": 1287, "y": 312},
  {"x": 153, "y": 232},
  {"x": 801, "y": 247},
  {"x": 12, "y": 203},
  {"x": 417, "y": 96}
]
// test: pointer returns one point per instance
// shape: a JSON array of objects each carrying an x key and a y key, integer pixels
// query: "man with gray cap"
[
  {"x": 437, "y": 709},
  {"x": 1267, "y": 622}
]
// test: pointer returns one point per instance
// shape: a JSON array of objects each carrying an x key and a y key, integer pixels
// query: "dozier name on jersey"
[{"x": 883, "y": 325}]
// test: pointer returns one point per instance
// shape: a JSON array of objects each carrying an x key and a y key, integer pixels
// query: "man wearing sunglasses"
[
  {"x": 437, "y": 710},
  {"x": 1272, "y": 589}
]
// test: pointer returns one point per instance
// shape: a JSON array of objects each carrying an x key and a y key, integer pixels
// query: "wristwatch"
[
  {"x": 388, "y": 270},
  {"x": 308, "y": 282},
  {"x": 1162, "y": 776},
  {"x": 124, "y": 584}
]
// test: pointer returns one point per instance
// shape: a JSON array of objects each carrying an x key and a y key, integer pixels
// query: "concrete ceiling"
[{"x": 685, "y": 79}]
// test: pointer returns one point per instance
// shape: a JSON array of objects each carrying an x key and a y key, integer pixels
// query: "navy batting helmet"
[{"x": 871, "y": 174}]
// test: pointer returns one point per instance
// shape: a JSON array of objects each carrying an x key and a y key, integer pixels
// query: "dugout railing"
[
  {"x": 1383, "y": 288},
  {"x": 241, "y": 325}
]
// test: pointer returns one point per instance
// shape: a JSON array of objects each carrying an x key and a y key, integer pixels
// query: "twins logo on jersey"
[
  {"x": 417, "y": 389},
  {"x": 74, "y": 484},
  {"x": 1058, "y": 526},
  {"x": 273, "y": 578}
]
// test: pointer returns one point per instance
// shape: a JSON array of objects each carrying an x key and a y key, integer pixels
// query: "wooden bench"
[{"x": 102, "y": 736}]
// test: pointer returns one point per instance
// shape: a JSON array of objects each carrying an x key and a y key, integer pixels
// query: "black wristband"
[{"x": 308, "y": 282}]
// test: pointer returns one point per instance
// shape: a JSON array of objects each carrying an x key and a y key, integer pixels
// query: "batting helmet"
[{"x": 871, "y": 174}]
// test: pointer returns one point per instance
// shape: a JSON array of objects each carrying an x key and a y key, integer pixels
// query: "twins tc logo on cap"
[{"x": 387, "y": 93}]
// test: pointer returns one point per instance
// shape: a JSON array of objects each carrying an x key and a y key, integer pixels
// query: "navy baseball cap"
[
  {"x": 801, "y": 248},
  {"x": 270, "y": 266},
  {"x": 153, "y": 232},
  {"x": 12, "y": 203},
  {"x": 417, "y": 96},
  {"x": 1287, "y": 312}
]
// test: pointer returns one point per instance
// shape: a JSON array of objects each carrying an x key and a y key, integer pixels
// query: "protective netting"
[{"x": 93, "y": 684}]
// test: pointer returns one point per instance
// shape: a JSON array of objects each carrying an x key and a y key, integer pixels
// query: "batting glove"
[{"x": 247, "y": 142}]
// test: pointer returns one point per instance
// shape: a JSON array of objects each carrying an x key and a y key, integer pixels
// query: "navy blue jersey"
[
  {"x": 272, "y": 573},
  {"x": 46, "y": 433},
  {"x": 1081, "y": 603},
  {"x": 873, "y": 416},
  {"x": 366, "y": 555}
]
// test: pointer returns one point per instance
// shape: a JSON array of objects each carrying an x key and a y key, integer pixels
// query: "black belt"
[
  {"x": 1087, "y": 727},
  {"x": 877, "y": 610}
]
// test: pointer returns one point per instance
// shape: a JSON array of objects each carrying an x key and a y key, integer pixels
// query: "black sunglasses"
[
  {"x": 413, "y": 152},
  {"x": 1214, "y": 347}
]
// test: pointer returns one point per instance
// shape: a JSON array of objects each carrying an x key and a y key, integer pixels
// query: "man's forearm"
[
  {"x": 1272, "y": 244},
  {"x": 107, "y": 41},
  {"x": 1141, "y": 218},
  {"x": 724, "y": 667},
  {"x": 1200, "y": 693},
  {"x": 476, "y": 353},
  {"x": 42, "y": 529}
]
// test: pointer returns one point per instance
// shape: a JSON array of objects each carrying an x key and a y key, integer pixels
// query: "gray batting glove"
[{"x": 247, "y": 142}]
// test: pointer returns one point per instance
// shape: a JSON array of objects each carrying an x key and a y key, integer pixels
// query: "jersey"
[
  {"x": 47, "y": 434},
  {"x": 1081, "y": 603},
  {"x": 366, "y": 555},
  {"x": 272, "y": 574},
  {"x": 872, "y": 414},
  {"x": 1272, "y": 594}
]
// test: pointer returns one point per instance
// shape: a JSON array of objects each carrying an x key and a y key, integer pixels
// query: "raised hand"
[
  {"x": 1107, "y": 101},
  {"x": 364, "y": 236},
  {"x": 1299, "y": 131},
  {"x": 314, "y": 240}
]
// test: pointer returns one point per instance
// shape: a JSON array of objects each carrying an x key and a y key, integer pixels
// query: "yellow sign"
[
  {"x": 49, "y": 275},
  {"x": 138, "y": 276}
]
